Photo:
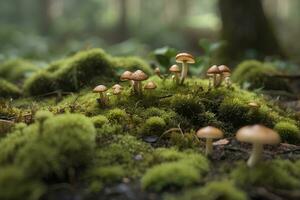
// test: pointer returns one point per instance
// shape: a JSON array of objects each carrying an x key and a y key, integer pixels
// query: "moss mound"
[
  {"x": 288, "y": 131},
  {"x": 86, "y": 68},
  {"x": 17, "y": 70},
  {"x": 224, "y": 190},
  {"x": 8, "y": 90},
  {"x": 253, "y": 74},
  {"x": 281, "y": 174}
]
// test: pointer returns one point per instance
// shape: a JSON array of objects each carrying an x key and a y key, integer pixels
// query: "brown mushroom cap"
[
  {"x": 257, "y": 134},
  {"x": 150, "y": 85},
  {"x": 117, "y": 86},
  {"x": 126, "y": 76},
  {"x": 185, "y": 57},
  {"x": 213, "y": 70},
  {"x": 174, "y": 68},
  {"x": 139, "y": 75},
  {"x": 209, "y": 132},
  {"x": 224, "y": 69},
  {"x": 157, "y": 70},
  {"x": 100, "y": 88},
  {"x": 117, "y": 91}
]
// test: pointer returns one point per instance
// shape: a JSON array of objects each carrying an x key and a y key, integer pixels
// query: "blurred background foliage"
[{"x": 50, "y": 29}]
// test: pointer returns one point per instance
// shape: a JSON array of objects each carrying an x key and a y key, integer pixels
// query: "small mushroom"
[
  {"x": 258, "y": 135},
  {"x": 209, "y": 133},
  {"x": 117, "y": 86},
  {"x": 150, "y": 86},
  {"x": 158, "y": 73},
  {"x": 101, "y": 90},
  {"x": 185, "y": 59},
  {"x": 126, "y": 76},
  {"x": 176, "y": 70},
  {"x": 213, "y": 72},
  {"x": 138, "y": 76},
  {"x": 225, "y": 73},
  {"x": 117, "y": 92}
]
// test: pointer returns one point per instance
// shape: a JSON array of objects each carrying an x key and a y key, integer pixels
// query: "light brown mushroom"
[
  {"x": 209, "y": 133},
  {"x": 101, "y": 89},
  {"x": 117, "y": 86},
  {"x": 176, "y": 71},
  {"x": 158, "y": 73},
  {"x": 213, "y": 72},
  {"x": 225, "y": 73},
  {"x": 150, "y": 86},
  {"x": 138, "y": 76},
  {"x": 185, "y": 59},
  {"x": 258, "y": 135}
]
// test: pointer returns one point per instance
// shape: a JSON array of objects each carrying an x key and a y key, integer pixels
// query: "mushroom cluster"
[{"x": 219, "y": 74}]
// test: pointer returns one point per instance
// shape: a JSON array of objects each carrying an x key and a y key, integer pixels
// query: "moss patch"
[{"x": 8, "y": 90}]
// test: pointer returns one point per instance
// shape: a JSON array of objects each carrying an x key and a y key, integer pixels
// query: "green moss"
[
  {"x": 99, "y": 121},
  {"x": 256, "y": 74},
  {"x": 8, "y": 90},
  {"x": 288, "y": 131},
  {"x": 171, "y": 174},
  {"x": 215, "y": 190},
  {"x": 15, "y": 185},
  {"x": 177, "y": 169},
  {"x": 117, "y": 115},
  {"x": 276, "y": 174},
  {"x": 109, "y": 174},
  {"x": 153, "y": 126},
  {"x": 132, "y": 63},
  {"x": 40, "y": 83},
  {"x": 16, "y": 70}
]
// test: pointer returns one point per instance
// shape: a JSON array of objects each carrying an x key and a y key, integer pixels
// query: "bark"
[{"x": 245, "y": 27}]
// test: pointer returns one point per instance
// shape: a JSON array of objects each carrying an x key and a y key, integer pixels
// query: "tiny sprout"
[
  {"x": 254, "y": 105},
  {"x": 258, "y": 135},
  {"x": 185, "y": 59},
  {"x": 209, "y": 133}
]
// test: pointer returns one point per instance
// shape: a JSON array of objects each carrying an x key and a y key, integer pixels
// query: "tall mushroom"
[
  {"x": 225, "y": 73},
  {"x": 138, "y": 76},
  {"x": 209, "y": 133},
  {"x": 101, "y": 89},
  {"x": 185, "y": 59},
  {"x": 176, "y": 70},
  {"x": 258, "y": 135},
  {"x": 213, "y": 72}
]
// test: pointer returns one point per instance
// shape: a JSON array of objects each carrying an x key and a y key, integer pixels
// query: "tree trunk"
[
  {"x": 247, "y": 30},
  {"x": 123, "y": 23},
  {"x": 46, "y": 18}
]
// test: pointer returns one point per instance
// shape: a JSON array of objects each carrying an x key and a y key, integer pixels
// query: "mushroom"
[
  {"x": 225, "y": 73},
  {"x": 258, "y": 135},
  {"x": 158, "y": 73},
  {"x": 101, "y": 90},
  {"x": 213, "y": 71},
  {"x": 176, "y": 70},
  {"x": 150, "y": 86},
  {"x": 209, "y": 133},
  {"x": 126, "y": 76},
  {"x": 185, "y": 59},
  {"x": 117, "y": 86},
  {"x": 138, "y": 76}
]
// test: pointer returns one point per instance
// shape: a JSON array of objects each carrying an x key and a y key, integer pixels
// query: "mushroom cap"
[
  {"x": 224, "y": 69},
  {"x": 157, "y": 70},
  {"x": 139, "y": 75},
  {"x": 174, "y": 68},
  {"x": 117, "y": 86},
  {"x": 100, "y": 88},
  {"x": 117, "y": 91},
  {"x": 185, "y": 57},
  {"x": 254, "y": 105},
  {"x": 126, "y": 76},
  {"x": 209, "y": 132},
  {"x": 258, "y": 134},
  {"x": 150, "y": 85},
  {"x": 213, "y": 70}
]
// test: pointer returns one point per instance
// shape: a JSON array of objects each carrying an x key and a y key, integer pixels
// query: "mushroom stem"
[
  {"x": 135, "y": 86},
  {"x": 140, "y": 87},
  {"x": 215, "y": 80},
  {"x": 227, "y": 82},
  {"x": 255, "y": 154},
  {"x": 209, "y": 147},
  {"x": 209, "y": 82},
  {"x": 177, "y": 78},
  {"x": 184, "y": 72}
]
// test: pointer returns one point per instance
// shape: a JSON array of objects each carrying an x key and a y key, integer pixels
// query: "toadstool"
[
  {"x": 258, "y": 135},
  {"x": 185, "y": 59},
  {"x": 176, "y": 70},
  {"x": 225, "y": 73},
  {"x": 213, "y": 71},
  {"x": 209, "y": 133},
  {"x": 138, "y": 76},
  {"x": 101, "y": 89}
]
